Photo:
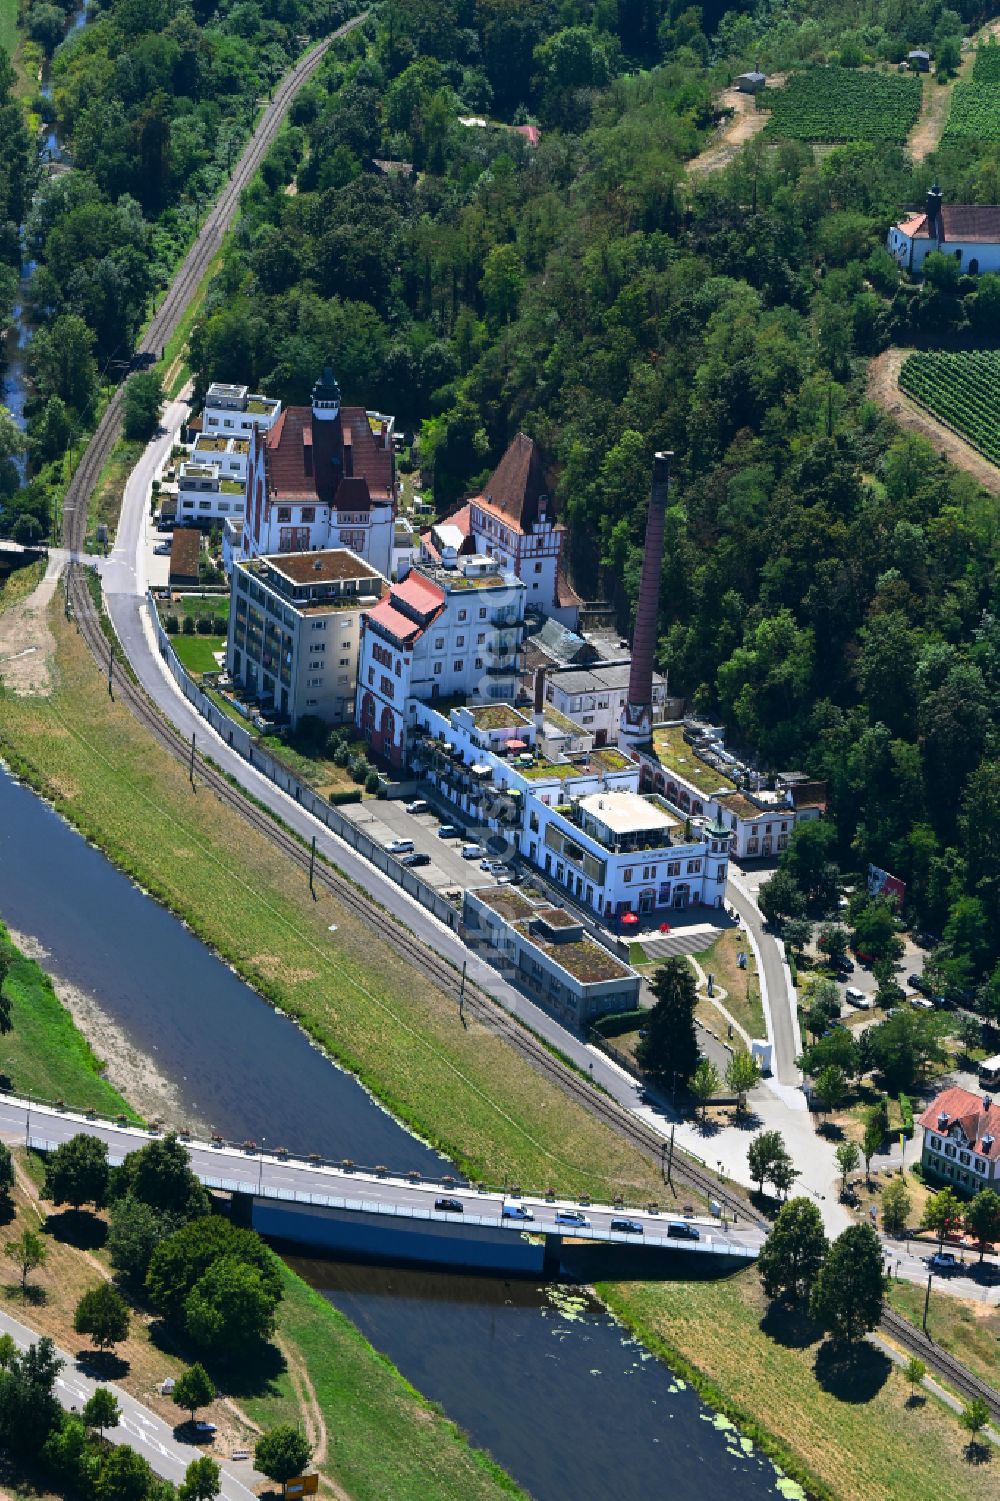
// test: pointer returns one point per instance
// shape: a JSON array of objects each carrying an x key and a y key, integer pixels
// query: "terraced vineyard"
[
  {"x": 986, "y": 68},
  {"x": 962, "y": 390},
  {"x": 843, "y": 104},
  {"x": 975, "y": 107}
]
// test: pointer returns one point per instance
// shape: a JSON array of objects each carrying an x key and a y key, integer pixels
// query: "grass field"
[
  {"x": 461, "y": 1087},
  {"x": 743, "y": 991},
  {"x": 970, "y": 1331},
  {"x": 106, "y": 500},
  {"x": 8, "y": 26},
  {"x": 859, "y": 1436},
  {"x": 196, "y": 652},
  {"x": 962, "y": 389},
  {"x": 44, "y": 1054},
  {"x": 843, "y": 104}
]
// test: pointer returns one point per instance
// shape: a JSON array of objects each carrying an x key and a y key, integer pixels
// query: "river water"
[{"x": 557, "y": 1391}]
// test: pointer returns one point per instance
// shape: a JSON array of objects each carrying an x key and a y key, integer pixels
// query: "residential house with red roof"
[
  {"x": 962, "y": 1139},
  {"x": 445, "y": 631},
  {"x": 514, "y": 521},
  {"x": 968, "y": 232},
  {"x": 322, "y": 476}
]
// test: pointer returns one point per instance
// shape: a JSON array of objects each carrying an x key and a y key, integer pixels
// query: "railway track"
[
  {"x": 478, "y": 1004},
  {"x": 165, "y": 320},
  {"x": 967, "y": 1385}
]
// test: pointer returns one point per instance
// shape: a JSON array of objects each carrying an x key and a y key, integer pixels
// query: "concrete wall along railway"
[{"x": 243, "y": 742}]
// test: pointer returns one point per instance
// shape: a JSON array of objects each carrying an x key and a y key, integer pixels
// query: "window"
[
  {"x": 344, "y": 662},
  {"x": 479, "y": 661},
  {"x": 482, "y": 613},
  {"x": 720, "y": 874},
  {"x": 463, "y": 614},
  {"x": 458, "y": 665},
  {"x": 674, "y": 868},
  {"x": 627, "y": 873},
  {"x": 980, "y": 1165},
  {"x": 371, "y": 675},
  {"x": 964, "y": 1158},
  {"x": 308, "y": 513},
  {"x": 204, "y": 505},
  {"x": 439, "y": 643},
  {"x": 538, "y": 567},
  {"x": 315, "y": 682},
  {"x": 694, "y": 867},
  {"x": 319, "y": 625},
  {"x": 459, "y": 640},
  {"x": 437, "y": 669},
  {"x": 480, "y": 637},
  {"x": 398, "y": 668},
  {"x": 317, "y": 646},
  {"x": 936, "y": 1142},
  {"x": 284, "y": 513}
]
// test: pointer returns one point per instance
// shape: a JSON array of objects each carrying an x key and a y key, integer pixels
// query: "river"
[{"x": 557, "y": 1391}]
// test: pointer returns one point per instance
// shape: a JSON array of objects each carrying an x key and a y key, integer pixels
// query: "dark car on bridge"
[
  {"x": 571, "y": 1217},
  {"x": 626, "y": 1227},
  {"x": 680, "y": 1230},
  {"x": 448, "y": 1206}
]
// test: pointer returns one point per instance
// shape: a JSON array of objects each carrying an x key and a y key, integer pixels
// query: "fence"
[{"x": 241, "y": 741}]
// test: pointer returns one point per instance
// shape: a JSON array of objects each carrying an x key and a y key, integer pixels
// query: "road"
[
  {"x": 776, "y": 993},
  {"x": 154, "y": 1439},
  {"x": 297, "y": 1180}
]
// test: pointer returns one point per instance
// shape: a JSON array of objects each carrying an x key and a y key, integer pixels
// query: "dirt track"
[
  {"x": 883, "y": 387},
  {"x": 746, "y": 122}
]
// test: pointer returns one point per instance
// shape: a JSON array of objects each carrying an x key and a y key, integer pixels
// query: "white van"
[
  {"x": 400, "y": 846},
  {"x": 855, "y": 997},
  {"x": 472, "y": 851}
]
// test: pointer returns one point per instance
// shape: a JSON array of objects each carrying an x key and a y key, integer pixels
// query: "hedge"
[
  {"x": 619, "y": 1021},
  {"x": 346, "y": 795},
  {"x": 906, "y": 1111}
]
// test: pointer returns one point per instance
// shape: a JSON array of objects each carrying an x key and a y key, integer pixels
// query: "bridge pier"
[{"x": 552, "y": 1260}]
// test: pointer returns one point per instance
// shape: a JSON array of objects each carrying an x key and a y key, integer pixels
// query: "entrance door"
[
  {"x": 681, "y": 898},
  {"x": 646, "y": 901}
]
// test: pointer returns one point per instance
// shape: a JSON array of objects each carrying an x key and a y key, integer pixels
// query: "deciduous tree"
[
  {"x": 705, "y": 1083},
  {"x": 982, "y": 1219},
  {"x": 943, "y": 1214},
  {"x": 77, "y": 1172},
  {"x": 194, "y": 1389},
  {"x": 896, "y": 1206},
  {"x": 282, "y": 1453},
  {"x": 202, "y": 1480},
  {"x": 27, "y": 1252},
  {"x": 848, "y": 1157},
  {"x": 793, "y": 1253},
  {"x": 103, "y": 1314},
  {"x": 742, "y": 1075},
  {"x": 101, "y": 1410},
  {"x": 848, "y": 1292}
]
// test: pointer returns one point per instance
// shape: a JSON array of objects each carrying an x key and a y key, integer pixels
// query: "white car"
[{"x": 400, "y": 846}]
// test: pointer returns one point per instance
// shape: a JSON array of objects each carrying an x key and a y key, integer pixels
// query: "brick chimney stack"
[{"x": 637, "y": 716}]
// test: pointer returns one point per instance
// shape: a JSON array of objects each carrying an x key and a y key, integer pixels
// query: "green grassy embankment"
[
  {"x": 44, "y": 1054},
  {"x": 8, "y": 26}
]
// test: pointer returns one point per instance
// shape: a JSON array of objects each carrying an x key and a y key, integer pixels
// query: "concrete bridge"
[{"x": 374, "y": 1212}]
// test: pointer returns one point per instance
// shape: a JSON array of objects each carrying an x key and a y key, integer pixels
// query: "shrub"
[
  {"x": 372, "y": 781},
  {"x": 906, "y": 1111},
  {"x": 619, "y": 1022},
  {"x": 171, "y": 625},
  {"x": 345, "y": 795},
  {"x": 205, "y": 625},
  {"x": 188, "y": 626}
]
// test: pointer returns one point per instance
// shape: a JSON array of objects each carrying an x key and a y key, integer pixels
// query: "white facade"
[
  {"x": 532, "y": 556},
  {"x": 441, "y": 633},
  {"x": 295, "y": 629},
  {"x": 236, "y": 411},
  {"x": 969, "y": 233},
  {"x": 205, "y": 495},
  {"x": 594, "y": 697}
]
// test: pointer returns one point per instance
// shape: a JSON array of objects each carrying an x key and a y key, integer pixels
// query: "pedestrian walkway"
[{"x": 687, "y": 940}]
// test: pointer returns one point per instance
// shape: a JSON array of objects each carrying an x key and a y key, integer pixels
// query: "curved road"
[
  {"x": 165, "y": 320},
  {"x": 153, "y": 1438}
]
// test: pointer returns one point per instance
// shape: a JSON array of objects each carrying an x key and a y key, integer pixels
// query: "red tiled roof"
[
  {"x": 420, "y": 593},
  {"x": 968, "y": 1110},
  {"x": 399, "y": 626},
  {"x": 310, "y": 461},
  {"x": 514, "y": 487},
  {"x": 531, "y": 133},
  {"x": 566, "y": 595},
  {"x": 959, "y": 221}
]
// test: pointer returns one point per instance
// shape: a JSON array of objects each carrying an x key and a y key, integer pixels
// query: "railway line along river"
[{"x": 561, "y": 1395}]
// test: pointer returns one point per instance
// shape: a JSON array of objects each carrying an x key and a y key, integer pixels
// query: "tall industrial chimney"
[{"x": 636, "y": 727}]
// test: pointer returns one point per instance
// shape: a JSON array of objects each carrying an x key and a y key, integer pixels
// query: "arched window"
[
  {"x": 368, "y": 713},
  {"x": 387, "y": 727}
]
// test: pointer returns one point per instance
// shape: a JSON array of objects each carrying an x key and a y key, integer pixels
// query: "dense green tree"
[
  {"x": 282, "y": 1452},
  {"x": 830, "y": 1086},
  {"x": 704, "y": 1084},
  {"x": 793, "y": 1253},
  {"x": 29, "y": 1410},
  {"x": 193, "y": 1389},
  {"x": 77, "y": 1172},
  {"x": 103, "y": 1314},
  {"x": 230, "y": 1309},
  {"x": 944, "y": 1214},
  {"x": 848, "y": 1157},
  {"x": 123, "y": 1476},
  {"x": 849, "y": 1289},
  {"x": 8, "y": 1177},
  {"x": 670, "y": 1047},
  {"x": 159, "y": 1175},
  {"x": 742, "y": 1075},
  {"x": 982, "y": 1219},
  {"x": 27, "y": 1251},
  {"x": 765, "y": 1154},
  {"x": 101, "y": 1410},
  {"x": 896, "y": 1205},
  {"x": 142, "y": 406},
  {"x": 184, "y": 1257},
  {"x": 780, "y": 897},
  {"x": 202, "y": 1480},
  {"x": 135, "y": 1229}
]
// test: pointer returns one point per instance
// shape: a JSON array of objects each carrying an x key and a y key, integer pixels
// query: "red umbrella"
[{"x": 630, "y": 918}]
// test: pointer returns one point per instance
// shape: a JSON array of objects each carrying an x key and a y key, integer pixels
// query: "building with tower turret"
[
  {"x": 967, "y": 232},
  {"x": 322, "y": 476}
]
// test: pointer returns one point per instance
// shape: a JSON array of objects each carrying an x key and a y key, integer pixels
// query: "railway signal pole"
[
  {"x": 191, "y": 761},
  {"x": 111, "y": 668},
  {"x": 312, "y": 866}
]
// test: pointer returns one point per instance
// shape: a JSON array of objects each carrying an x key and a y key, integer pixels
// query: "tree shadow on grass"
[
  {"x": 790, "y": 1324},
  {"x": 32, "y": 1295},
  {"x": 830, "y": 1130},
  {"x": 851, "y": 1373},
  {"x": 248, "y": 1376},
  {"x": 77, "y": 1228},
  {"x": 7, "y": 1210},
  {"x": 978, "y": 1453}
]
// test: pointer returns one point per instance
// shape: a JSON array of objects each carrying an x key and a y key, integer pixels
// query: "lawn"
[
  {"x": 463, "y": 1088},
  {"x": 216, "y": 605},
  {"x": 317, "y": 771},
  {"x": 106, "y": 500},
  {"x": 852, "y": 1428},
  {"x": 8, "y": 26},
  {"x": 196, "y": 652},
  {"x": 741, "y": 985},
  {"x": 44, "y": 1054}
]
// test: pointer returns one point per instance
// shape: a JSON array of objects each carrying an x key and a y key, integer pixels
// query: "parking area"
[{"x": 446, "y": 870}]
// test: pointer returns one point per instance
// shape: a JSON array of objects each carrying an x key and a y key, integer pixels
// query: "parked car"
[
  {"x": 943, "y": 1261},
  {"x": 163, "y": 548},
  {"x": 626, "y": 1227},
  {"x": 681, "y": 1230},
  {"x": 916, "y": 982},
  {"x": 921, "y": 1003},
  {"x": 449, "y": 831},
  {"x": 400, "y": 846},
  {"x": 928, "y": 940},
  {"x": 516, "y": 1212},
  {"x": 166, "y": 524},
  {"x": 417, "y": 858},
  {"x": 571, "y": 1217},
  {"x": 504, "y": 878},
  {"x": 449, "y": 1206},
  {"x": 855, "y": 997},
  {"x": 203, "y": 1427},
  {"x": 417, "y": 806},
  {"x": 471, "y": 851}
]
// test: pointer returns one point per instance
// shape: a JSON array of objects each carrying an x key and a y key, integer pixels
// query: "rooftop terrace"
[
  {"x": 497, "y": 717},
  {"x": 584, "y": 959},
  {"x": 675, "y": 754}
]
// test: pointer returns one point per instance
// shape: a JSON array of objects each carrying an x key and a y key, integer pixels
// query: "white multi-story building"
[
  {"x": 236, "y": 411},
  {"x": 514, "y": 521},
  {"x": 961, "y": 1143},
  {"x": 205, "y": 494},
  {"x": 594, "y": 697},
  {"x": 294, "y": 630},
  {"x": 440, "y": 633},
  {"x": 322, "y": 476},
  {"x": 580, "y": 821}
]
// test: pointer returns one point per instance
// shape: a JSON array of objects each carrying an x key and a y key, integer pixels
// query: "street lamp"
[{"x": 260, "y": 1172}]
